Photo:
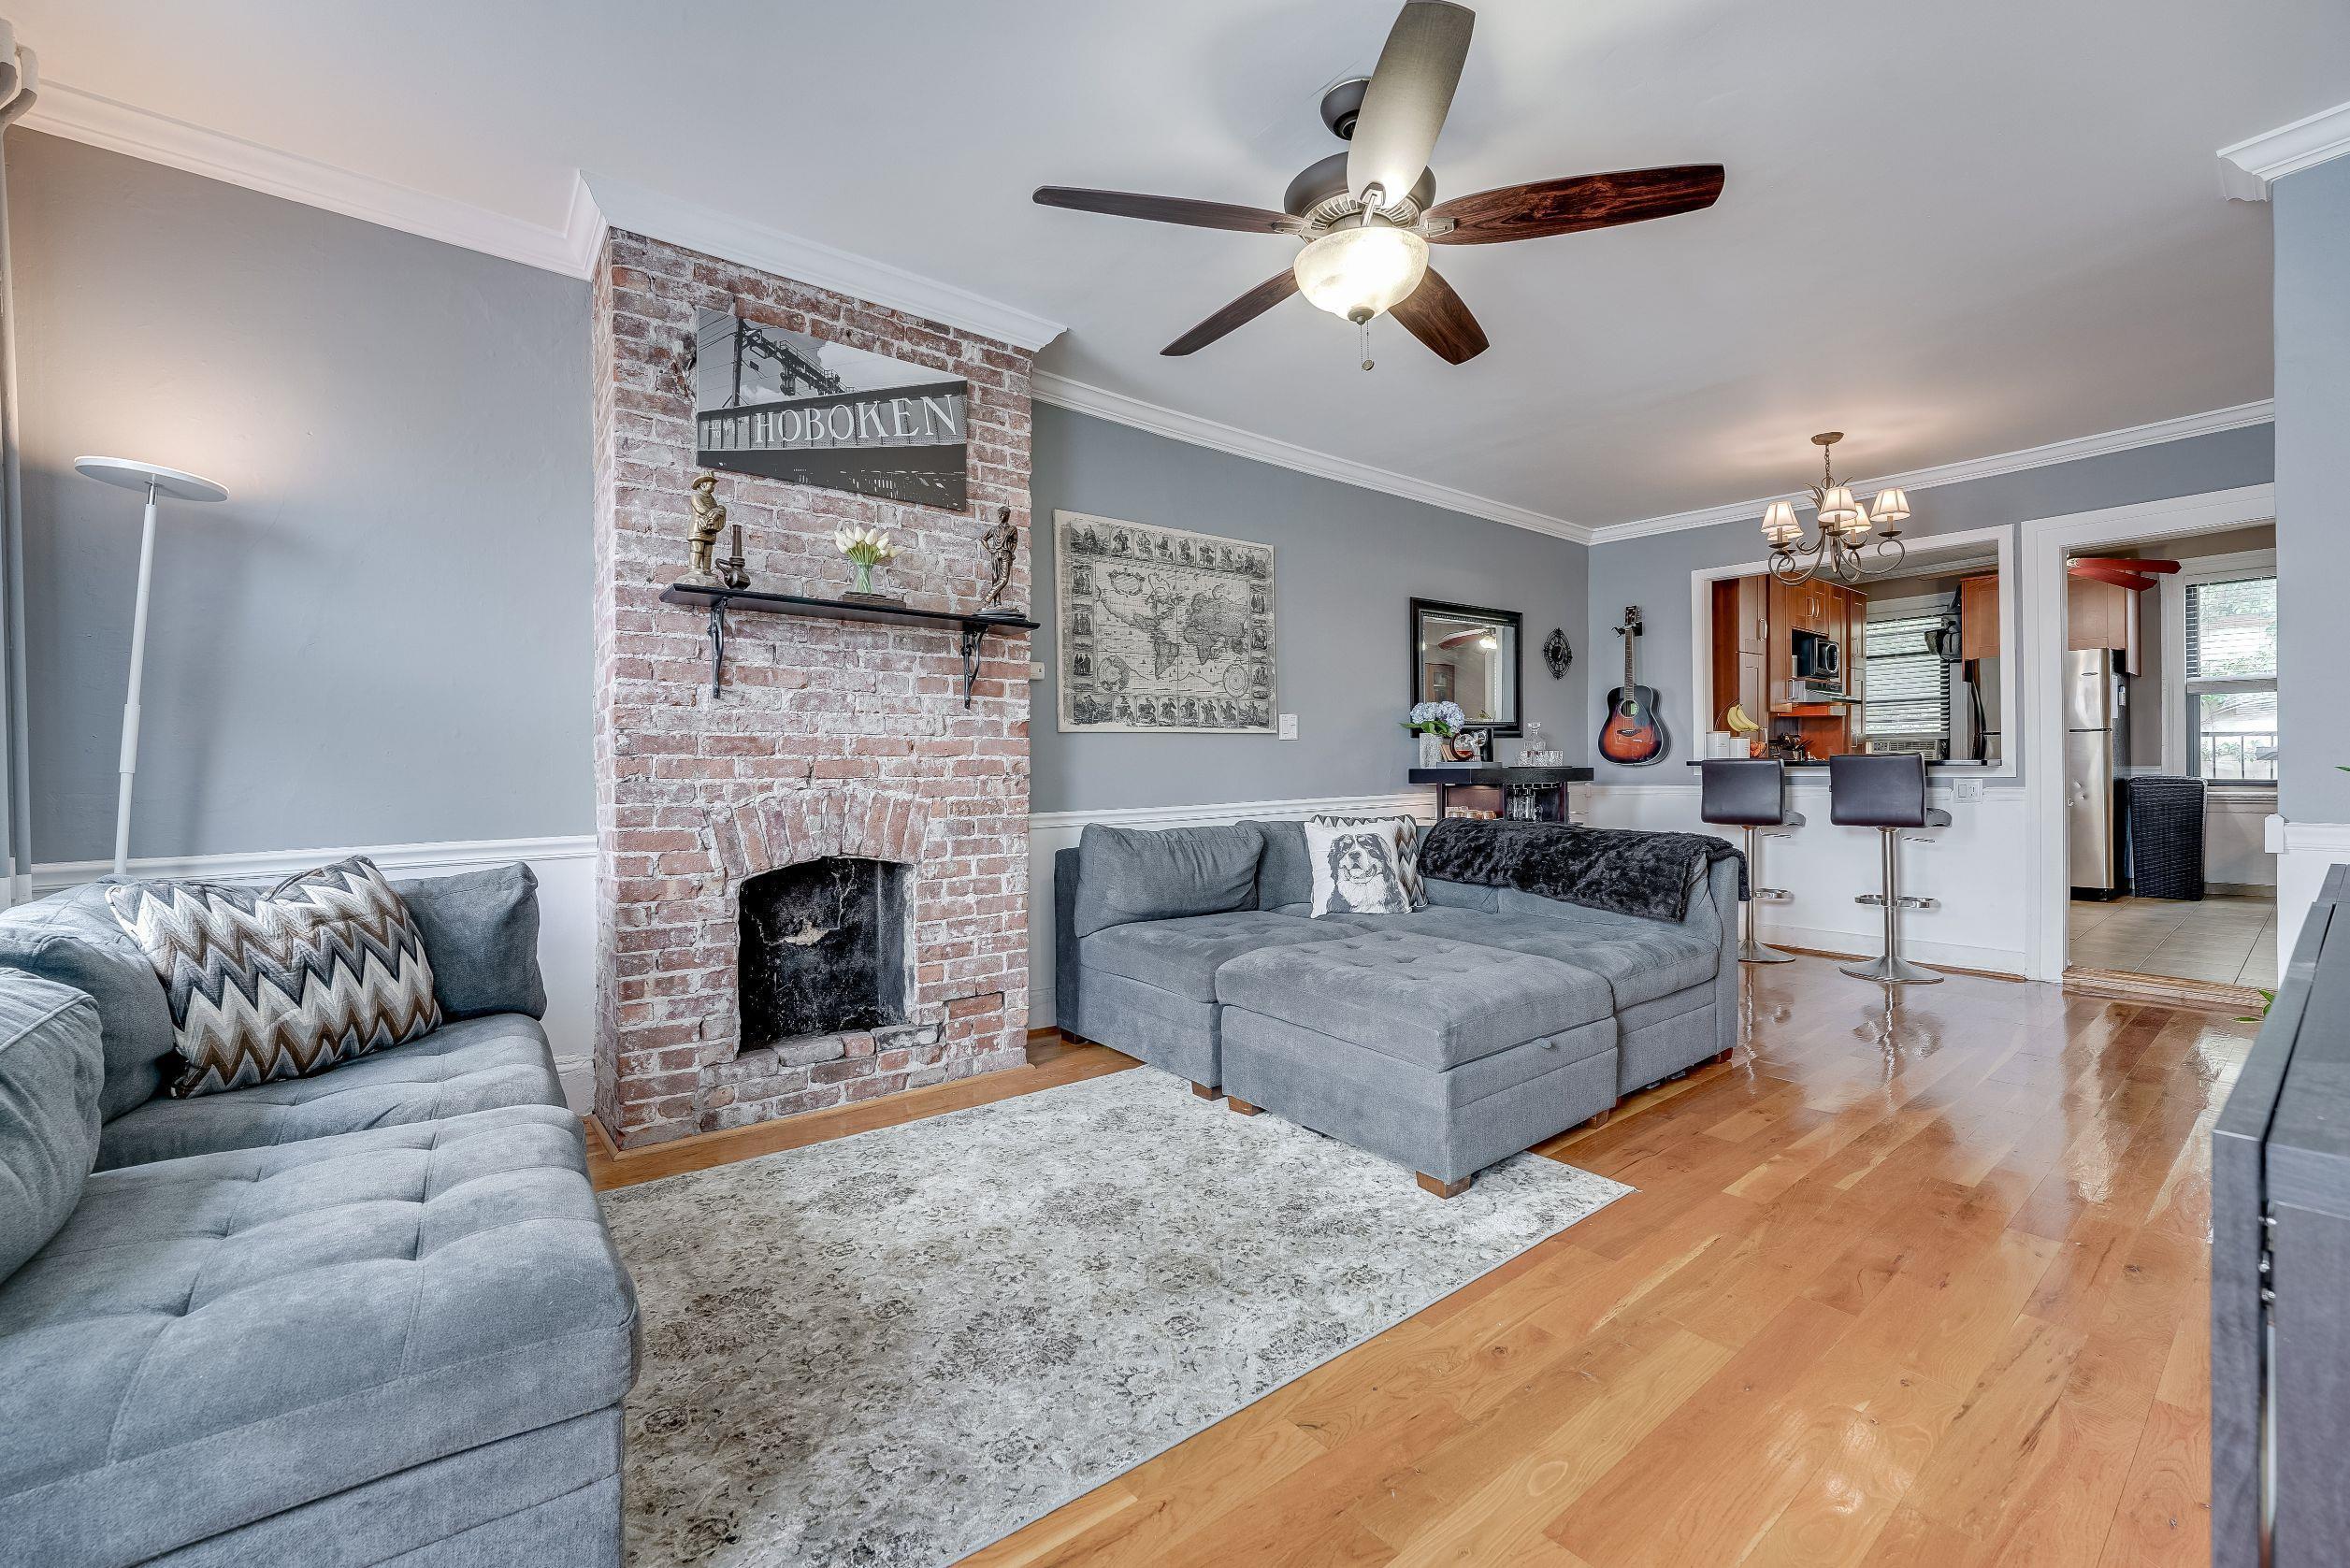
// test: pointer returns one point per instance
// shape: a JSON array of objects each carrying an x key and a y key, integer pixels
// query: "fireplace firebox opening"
[{"x": 823, "y": 950}]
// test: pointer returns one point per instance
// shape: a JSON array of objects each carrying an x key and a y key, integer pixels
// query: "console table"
[{"x": 1491, "y": 785}]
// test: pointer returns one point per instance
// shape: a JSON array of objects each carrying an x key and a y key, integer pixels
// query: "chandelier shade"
[{"x": 1844, "y": 525}]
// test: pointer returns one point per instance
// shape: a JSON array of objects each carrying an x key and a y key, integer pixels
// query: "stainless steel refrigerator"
[{"x": 2097, "y": 744}]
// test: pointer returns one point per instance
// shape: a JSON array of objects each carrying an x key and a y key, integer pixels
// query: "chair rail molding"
[
  {"x": 565, "y": 866},
  {"x": 2248, "y": 168}
]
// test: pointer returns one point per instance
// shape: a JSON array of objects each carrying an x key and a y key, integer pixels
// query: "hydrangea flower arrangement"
[{"x": 1437, "y": 718}]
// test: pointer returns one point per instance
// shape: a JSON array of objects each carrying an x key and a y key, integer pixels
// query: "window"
[
  {"x": 1906, "y": 681},
  {"x": 2231, "y": 729}
]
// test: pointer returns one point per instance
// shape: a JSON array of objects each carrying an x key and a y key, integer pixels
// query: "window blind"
[
  {"x": 2231, "y": 699},
  {"x": 1905, "y": 682},
  {"x": 2231, "y": 630}
]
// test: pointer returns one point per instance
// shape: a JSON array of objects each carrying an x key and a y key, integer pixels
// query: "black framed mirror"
[{"x": 1472, "y": 655}]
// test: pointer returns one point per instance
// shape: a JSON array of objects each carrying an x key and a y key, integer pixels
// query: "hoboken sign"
[
  {"x": 916, "y": 416},
  {"x": 786, "y": 406}
]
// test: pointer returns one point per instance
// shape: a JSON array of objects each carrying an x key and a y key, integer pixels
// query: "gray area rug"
[{"x": 893, "y": 1349}]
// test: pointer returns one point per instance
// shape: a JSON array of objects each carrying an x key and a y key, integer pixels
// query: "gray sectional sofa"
[
  {"x": 1445, "y": 1039},
  {"x": 369, "y": 1317}
]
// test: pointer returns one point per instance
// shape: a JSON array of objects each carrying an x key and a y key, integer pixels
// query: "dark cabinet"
[{"x": 2280, "y": 1231}]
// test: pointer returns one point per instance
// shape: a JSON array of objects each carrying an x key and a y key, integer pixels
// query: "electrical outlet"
[
  {"x": 1035, "y": 671},
  {"x": 1967, "y": 789},
  {"x": 1289, "y": 726}
]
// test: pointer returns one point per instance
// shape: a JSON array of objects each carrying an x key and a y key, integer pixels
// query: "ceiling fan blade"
[
  {"x": 1409, "y": 94},
  {"x": 1434, "y": 314},
  {"x": 1169, "y": 209},
  {"x": 1247, "y": 308},
  {"x": 1576, "y": 202}
]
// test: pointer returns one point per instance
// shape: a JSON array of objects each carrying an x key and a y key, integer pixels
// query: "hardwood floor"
[{"x": 1918, "y": 1283}]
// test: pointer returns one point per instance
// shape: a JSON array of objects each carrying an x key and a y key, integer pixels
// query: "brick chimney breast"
[{"x": 831, "y": 739}]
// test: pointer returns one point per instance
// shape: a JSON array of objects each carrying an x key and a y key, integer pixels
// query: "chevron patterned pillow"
[{"x": 283, "y": 982}]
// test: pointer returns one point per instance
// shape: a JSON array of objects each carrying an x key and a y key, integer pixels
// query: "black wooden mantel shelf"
[{"x": 974, "y": 629}]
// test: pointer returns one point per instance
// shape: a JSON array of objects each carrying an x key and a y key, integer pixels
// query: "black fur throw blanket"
[{"x": 1614, "y": 869}]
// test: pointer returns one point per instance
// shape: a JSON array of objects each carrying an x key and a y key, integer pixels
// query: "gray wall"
[
  {"x": 1654, "y": 572},
  {"x": 383, "y": 635},
  {"x": 1346, "y": 564},
  {"x": 2313, "y": 482}
]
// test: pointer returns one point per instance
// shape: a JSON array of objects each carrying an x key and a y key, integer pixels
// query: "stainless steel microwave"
[{"x": 1817, "y": 657}]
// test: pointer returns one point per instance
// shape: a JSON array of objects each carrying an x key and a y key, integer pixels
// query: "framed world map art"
[{"x": 1162, "y": 629}]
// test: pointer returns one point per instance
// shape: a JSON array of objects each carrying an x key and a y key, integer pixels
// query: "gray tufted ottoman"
[{"x": 1442, "y": 1056}]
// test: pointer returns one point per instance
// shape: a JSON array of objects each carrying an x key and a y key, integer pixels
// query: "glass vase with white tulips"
[{"x": 866, "y": 548}]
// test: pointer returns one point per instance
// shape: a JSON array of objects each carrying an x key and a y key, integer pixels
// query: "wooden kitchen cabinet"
[
  {"x": 2101, "y": 616},
  {"x": 1979, "y": 617},
  {"x": 1754, "y": 686},
  {"x": 1751, "y": 608}
]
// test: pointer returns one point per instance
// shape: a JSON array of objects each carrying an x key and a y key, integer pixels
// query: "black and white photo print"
[{"x": 787, "y": 406}]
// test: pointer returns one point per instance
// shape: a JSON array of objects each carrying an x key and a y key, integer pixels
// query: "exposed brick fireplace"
[{"x": 842, "y": 747}]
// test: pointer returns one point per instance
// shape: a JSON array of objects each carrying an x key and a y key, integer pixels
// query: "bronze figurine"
[
  {"x": 709, "y": 516},
  {"x": 1001, "y": 543}
]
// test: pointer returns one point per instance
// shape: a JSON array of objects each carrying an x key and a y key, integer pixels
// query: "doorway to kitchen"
[{"x": 2153, "y": 699}]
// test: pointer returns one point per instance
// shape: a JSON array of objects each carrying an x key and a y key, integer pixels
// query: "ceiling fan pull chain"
[{"x": 1366, "y": 324}]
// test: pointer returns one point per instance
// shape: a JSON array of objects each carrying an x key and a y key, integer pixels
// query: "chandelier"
[{"x": 1844, "y": 526}]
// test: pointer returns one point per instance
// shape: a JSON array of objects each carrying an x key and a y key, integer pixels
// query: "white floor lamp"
[{"x": 156, "y": 481}]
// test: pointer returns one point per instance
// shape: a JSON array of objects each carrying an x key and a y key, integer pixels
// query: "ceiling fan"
[{"x": 1366, "y": 213}]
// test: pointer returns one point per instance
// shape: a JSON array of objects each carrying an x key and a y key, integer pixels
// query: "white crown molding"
[
  {"x": 2178, "y": 429},
  {"x": 2247, "y": 170},
  {"x": 660, "y": 216},
  {"x": 1083, "y": 398},
  {"x": 260, "y": 865},
  {"x": 85, "y": 117},
  {"x": 1410, "y": 802}
]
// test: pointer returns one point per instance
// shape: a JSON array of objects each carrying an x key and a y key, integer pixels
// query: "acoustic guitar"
[{"x": 1633, "y": 734}]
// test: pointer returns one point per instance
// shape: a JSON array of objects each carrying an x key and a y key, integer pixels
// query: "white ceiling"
[{"x": 1949, "y": 230}]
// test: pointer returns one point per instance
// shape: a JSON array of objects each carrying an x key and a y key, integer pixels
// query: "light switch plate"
[
  {"x": 1035, "y": 671},
  {"x": 1289, "y": 726},
  {"x": 1967, "y": 789}
]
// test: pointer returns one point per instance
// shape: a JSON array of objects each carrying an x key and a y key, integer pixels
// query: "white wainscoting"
[
  {"x": 2303, "y": 850},
  {"x": 1049, "y": 832},
  {"x": 1974, "y": 867},
  {"x": 566, "y": 868}
]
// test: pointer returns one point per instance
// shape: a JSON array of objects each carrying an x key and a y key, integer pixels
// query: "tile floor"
[{"x": 2230, "y": 940}]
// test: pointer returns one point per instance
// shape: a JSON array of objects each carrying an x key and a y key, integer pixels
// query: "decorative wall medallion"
[
  {"x": 1556, "y": 654},
  {"x": 1160, "y": 629},
  {"x": 786, "y": 406}
]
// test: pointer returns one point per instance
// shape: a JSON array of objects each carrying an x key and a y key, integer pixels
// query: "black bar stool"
[
  {"x": 1753, "y": 796},
  {"x": 1886, "y": 792}
]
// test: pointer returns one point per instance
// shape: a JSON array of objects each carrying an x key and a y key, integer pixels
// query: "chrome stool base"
[
  {"x": 1892, "y": 970},
  {"x": 1750, "y": 951}
]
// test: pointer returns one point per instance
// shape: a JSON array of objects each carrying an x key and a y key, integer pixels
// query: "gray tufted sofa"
[
  {"x": 372, "y": 1316},
  {"x": 1445, "y": 1039}
]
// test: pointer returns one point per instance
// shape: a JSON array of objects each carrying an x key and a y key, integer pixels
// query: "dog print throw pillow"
[
  {"x": 1355, "y": 870},
  {"x": 1406, "y": 833}
]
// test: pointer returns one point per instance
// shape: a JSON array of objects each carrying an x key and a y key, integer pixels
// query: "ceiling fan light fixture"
[{"x": 1356, "y": 273}]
